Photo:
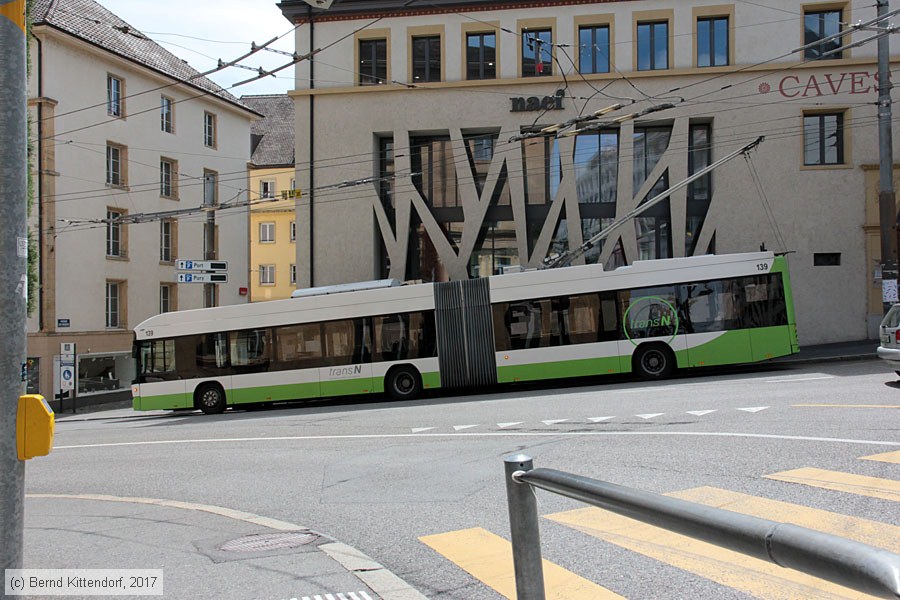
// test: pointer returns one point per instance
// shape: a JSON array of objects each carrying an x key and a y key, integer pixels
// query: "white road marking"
[
  {"x": 754, "y": 409},
  {"x": 461, "y": 427},
  {"x": 600, "y": 419},
  {"x": 793, "y": 379},
  {"x": 387, "y": 436},
  {"x": 505, "y": 425},
  {"x": 700, "y": 413},
  {"x": 650, "y": 415},
  {"x": 421, "y": 429},
  {"x": 553, "y": 421}
]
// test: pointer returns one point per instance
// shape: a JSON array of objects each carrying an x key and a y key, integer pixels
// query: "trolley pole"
[
  {"x": 887, "y": 210},
  {"x": 13, "y": 273}
]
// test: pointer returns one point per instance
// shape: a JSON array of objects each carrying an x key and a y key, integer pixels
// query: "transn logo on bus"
[
  {"x": 650, "y": 316},
  {"x": 345, "y": 371}
]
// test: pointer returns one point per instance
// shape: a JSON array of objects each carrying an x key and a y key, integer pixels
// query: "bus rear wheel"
[
  {"x": 653, "y": 361},
  {"x": 403, "y": 383},
  {"x": 211, "y": 399}
]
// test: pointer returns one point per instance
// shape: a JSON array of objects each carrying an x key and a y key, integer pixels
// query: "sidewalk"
[
  {"x": 204, "y": 552},
  {"x": 861, "y": 350}
]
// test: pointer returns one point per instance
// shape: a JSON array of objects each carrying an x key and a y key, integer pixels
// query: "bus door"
[
  {"x": 347, "y": 357},
  {"x": 212, "y": 363},
  {"x": 711, "y": 315}
]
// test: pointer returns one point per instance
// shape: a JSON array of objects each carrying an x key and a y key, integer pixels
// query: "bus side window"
[
  {"x": 250, "y": 350},
  {"x": 609, "y": 318},
  {"x": 528, "y": 323},
  {"x": 501, "y": 327},
  {"x": 298, "y": 346},
  {"x": 339, "y": 342},
  {"x": 212, "y": 354}
]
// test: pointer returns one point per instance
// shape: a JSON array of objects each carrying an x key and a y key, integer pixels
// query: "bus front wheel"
[
  {"x": 403, "y": 383},
  {"x": 653, "y": 361},
  {"x": 211, "y": 399}
]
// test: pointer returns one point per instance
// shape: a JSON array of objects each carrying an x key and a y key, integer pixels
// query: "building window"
[
  {"x": 267, "y": 233},
  {"x": 116, "y": 156},
  {"x": 699, "y": 193},
  {"x": 266, "y": 274},
  {"x": 114, "y": 294},
  {"x": 653, "y": 46},
  {"x": 426, "y": 58},
  {"x": 293, "y": 231},
  {"x": 593, "y": 49},
  {"x": 115, "y": 96},
  {"x": 209, "y": 130},
  {"x": 166, "y": 298},
  {"x": 293, "y": 273},
  {"x": 167, "y": 114},
  {"x": 537, "y": 52},
  {"x": 817, "y": 26},
  {"x": 166, "y": 240},
  {"x": 372, "y": 62},
  {"x": 712, "y": 42},
  {"x": 168, "y": 178},
  {"x": 481, "y": 56},
  {"x": 823, "y": 139},
  {"x": 267, "y": 188},
  {"x": 210, "y": 188},
  {"x": 115, "y": 233},
  {"x": 434, "y": 171}
]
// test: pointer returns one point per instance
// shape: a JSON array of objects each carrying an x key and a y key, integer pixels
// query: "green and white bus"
[{"x": 649, "y": 318}]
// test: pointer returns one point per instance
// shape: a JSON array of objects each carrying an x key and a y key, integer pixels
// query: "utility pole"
[
  {"x": 210, "y": 184},
  {"x": 887, "y": 209},
  {"x": 13, "y": 273}
]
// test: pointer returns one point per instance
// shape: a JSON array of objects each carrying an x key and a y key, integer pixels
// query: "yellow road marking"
[
  {"x": 888, "y": 457},
  {"x": 15, "y": 12},
  {"x": 848, "y": 405},
  {"x": 873, "y": 487},
  {"x": 866, "y": 531},
  {"x": 488, "y": 558},
  {"x": 753, "y": 576}
]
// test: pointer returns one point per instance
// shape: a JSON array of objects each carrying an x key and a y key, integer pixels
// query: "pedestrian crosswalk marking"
[
  {"x": 488, "y": 558},
  {"x": 862, "y": 530},
  {"x": 862, "y": 485},
  {"x": 753, "y": 576},
  {"x": 888, "y": 457}
]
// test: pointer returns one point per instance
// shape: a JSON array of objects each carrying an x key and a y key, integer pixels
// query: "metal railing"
[{"x": 846, "y": 562}]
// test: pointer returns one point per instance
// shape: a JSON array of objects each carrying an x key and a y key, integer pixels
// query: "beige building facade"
[
  {"x": 130, "y": 142},
  {"x": 436, "y": 103}
]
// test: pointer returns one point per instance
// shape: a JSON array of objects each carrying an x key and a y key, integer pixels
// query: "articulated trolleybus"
[{"x": 649, "y": 318}]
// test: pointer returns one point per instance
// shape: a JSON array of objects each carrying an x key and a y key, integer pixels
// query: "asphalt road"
[{"x": 381, "y": 476}]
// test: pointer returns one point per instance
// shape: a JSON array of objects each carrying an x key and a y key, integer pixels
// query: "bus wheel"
[
  {"x": 403, "y": 383},
  {"x": 653, "y": 361},
  {"x": 211, "y": 399}
]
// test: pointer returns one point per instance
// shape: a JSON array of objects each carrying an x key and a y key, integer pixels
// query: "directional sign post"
[
  {"x": 202, "y": 271},
  {"x": 201, "y": 265},
  {"x": 202, "y": 277}
]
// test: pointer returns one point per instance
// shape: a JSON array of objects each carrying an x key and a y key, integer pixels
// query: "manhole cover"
[{"x": 263, "y": 542}]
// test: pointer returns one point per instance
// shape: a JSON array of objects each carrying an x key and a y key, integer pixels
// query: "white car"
[{"x": 889, "y": 349}]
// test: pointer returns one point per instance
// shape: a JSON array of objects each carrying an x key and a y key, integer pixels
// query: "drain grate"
[{"x": 263, "y": 542}]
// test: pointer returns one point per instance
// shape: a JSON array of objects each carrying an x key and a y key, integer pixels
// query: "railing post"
[{"x": 523, "y": 526}]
